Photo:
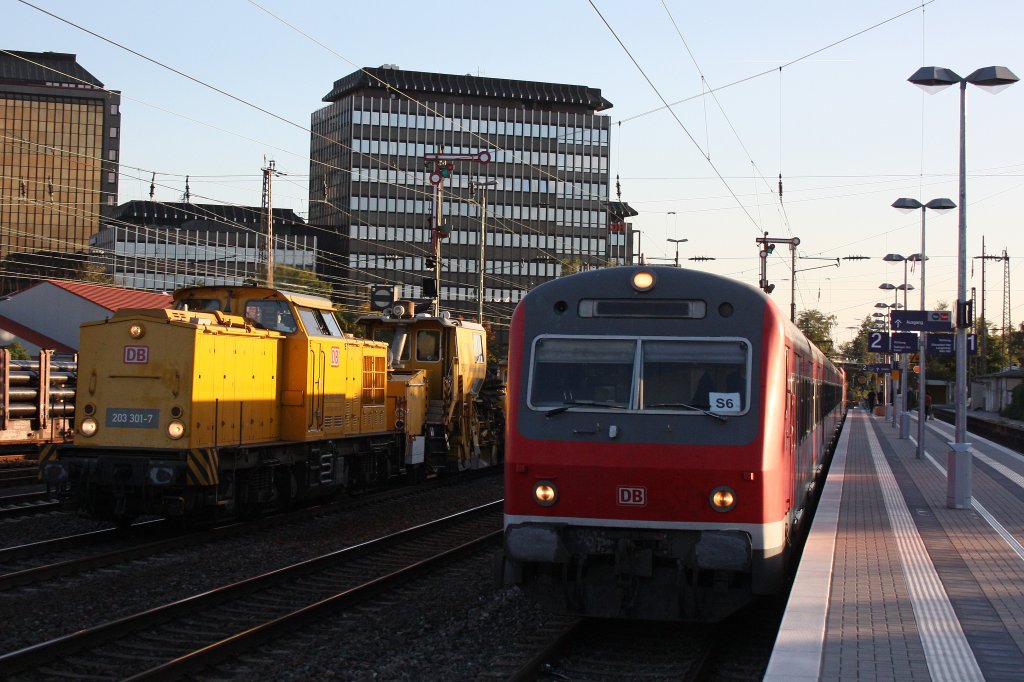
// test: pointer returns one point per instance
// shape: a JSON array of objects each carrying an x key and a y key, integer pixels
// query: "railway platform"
[{"x": 893, "y": 584}]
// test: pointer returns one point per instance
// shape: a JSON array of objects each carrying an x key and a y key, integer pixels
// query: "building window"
[
  {"x": 113, "y": 132},
  {"x": 113, "y": 110}
]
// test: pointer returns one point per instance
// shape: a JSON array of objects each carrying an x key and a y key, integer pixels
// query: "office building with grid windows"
[
  {"x": 58, "y": 166},
  {"x": 545, "y": 183}
]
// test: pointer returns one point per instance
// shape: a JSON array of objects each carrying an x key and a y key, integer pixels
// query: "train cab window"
[
  {"x": 478, "y": 349},
  {"x": 428, "y": 345},
  {"x": 273, "y": 315},
  {"x": 587, "y": 372},
  {"x": 197, "y": 304},
  {"x": 684, "y": 374},
  {"x": 320, "y": 322}
]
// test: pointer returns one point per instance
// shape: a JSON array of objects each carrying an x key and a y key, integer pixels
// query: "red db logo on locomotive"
[{"x": 635, "y": 496}]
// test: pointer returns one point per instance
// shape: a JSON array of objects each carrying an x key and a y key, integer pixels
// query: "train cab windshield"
[
  {"x": 270, "y": 314},
  {"x": 697, "y": 375}
]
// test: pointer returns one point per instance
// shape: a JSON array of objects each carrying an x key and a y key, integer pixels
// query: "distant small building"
[
  {"x": 994, "y": 392},
  {"x": 160, "y": 246},
  {"x": 48, "y": 314}
]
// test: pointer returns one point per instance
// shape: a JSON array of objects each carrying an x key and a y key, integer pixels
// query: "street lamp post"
[
  {"x": 941, "y": 205},
  {"x": 958, "y": 467},
  {"x": 482, "y": 185},
  {"x": 890, "y": 402},
  {"x": 677, "y": 243}
]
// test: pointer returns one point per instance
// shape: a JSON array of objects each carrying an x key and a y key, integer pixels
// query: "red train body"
[{"x": 666, "y": 428}]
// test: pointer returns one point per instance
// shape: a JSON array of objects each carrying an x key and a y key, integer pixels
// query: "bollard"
[
  {"x": 958, "y": 476},
  {"x": 904, "y": 425}
]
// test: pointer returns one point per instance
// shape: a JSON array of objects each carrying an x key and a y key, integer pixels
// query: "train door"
[
  {"x": 315, "y": 388},
  {"x": 792, "y": 387}
]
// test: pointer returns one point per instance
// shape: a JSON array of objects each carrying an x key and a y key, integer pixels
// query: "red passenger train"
[{"x": 666, "y": 428}]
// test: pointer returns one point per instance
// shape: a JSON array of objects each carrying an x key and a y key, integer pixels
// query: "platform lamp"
[
  {"x": 889, "y": 411},
  {"x": 941, "y": 205},
  {"x": 933, "y": 79}
]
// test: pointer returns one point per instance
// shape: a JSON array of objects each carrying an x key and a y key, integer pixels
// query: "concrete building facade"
[
  {"x": 58, "y": 165},
  {"x": 537, "y": 153}
]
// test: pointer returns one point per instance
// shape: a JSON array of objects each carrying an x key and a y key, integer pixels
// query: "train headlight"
[
  {"x": 545, "y": 493},
  {"x": 88, "y": 427},
  {"x": 136, "y": 331},
  {"x": 175, "y": 429},
  {"x": 643, "y": 281},
  {"x": 723, "y": 498}
]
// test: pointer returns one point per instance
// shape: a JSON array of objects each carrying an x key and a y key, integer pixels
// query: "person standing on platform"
[
  {"x": 871, "y": 402},
  {"x": 928, "y": 406}
]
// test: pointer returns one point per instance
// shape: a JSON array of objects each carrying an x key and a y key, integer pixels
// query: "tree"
[
  {"x": 18, "y": 351},
  {"x": 95, "y": 273},
  {"x": 299, "y": 280},
  {"x": 571, "y": 266},
  {"x": 856, "y": 351},
  {"x": 817, "y": 327}
]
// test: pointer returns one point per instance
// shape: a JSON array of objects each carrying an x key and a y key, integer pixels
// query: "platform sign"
[
  {"x": 904, "y": 342},
  {"x": 878, "y": 342},
  {"x": 945, "y": 344},
  {"x": 879, "y": 368},
  {"x": 921, "y": 320}
]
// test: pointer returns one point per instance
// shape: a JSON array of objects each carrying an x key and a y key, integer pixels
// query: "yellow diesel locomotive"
[{"x": 234, "y": 401}]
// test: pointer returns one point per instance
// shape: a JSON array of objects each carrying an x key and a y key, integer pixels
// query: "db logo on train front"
[
  {"x": 632, "y": 496},
  {"x": 136, "y": 355}
]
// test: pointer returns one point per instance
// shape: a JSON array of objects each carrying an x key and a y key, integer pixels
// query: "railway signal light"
[
  {"x": 769, "y": 249},
  {"x": 446, "y": 168}
]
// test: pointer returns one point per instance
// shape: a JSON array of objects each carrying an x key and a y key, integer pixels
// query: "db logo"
[
  {"x": 634, "y": 496},
  {"x": 335, "y": 356},
  {"x": 136, "y": 355}
]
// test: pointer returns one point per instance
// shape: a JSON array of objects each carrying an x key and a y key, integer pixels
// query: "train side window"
[
  {"x": 332, "y": 324},
  {"x": 314, "y": 322},
  {"x": 478, "y": 349},
  {"x": 428, "y": 345}
]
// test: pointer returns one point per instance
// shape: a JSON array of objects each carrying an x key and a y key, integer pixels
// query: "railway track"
[
  {"x": 42, "y": 561},
  {"x": 192, "y": 634},
  {"x": 25, "y": 504},
  {"x": 610, "y": 650},
  {"x": 11, "y": 476}
]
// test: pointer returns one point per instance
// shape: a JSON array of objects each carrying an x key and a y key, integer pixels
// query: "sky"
[{"x": 814, "y": 91}]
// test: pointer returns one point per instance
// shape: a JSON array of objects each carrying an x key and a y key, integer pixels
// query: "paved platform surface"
[{"x": 894, "y": 584}]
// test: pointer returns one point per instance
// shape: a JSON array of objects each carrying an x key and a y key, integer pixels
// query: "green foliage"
[
  {"x": 301, "y": 281},
  {"x": 94, "y": 273},
  {"x": 1015, "y": 410},
  {"x": 571, "y": 266},
  {"x": 18, "y": 351},
  {"x": 856, "y": 351},
  {"x": 817, "y": 327}
]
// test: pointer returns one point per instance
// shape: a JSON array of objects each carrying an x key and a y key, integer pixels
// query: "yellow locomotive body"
[
  {"x": 238, "y": 399},
  {"x": 465, "y": 417}
]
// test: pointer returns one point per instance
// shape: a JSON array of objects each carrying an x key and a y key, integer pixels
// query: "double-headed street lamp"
[
  {"x": 934, "y": 79},
  {"x": 941, "y": 205},
  {"x": 905, "y": 407},
  {"x": 677, "y": 242}
]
